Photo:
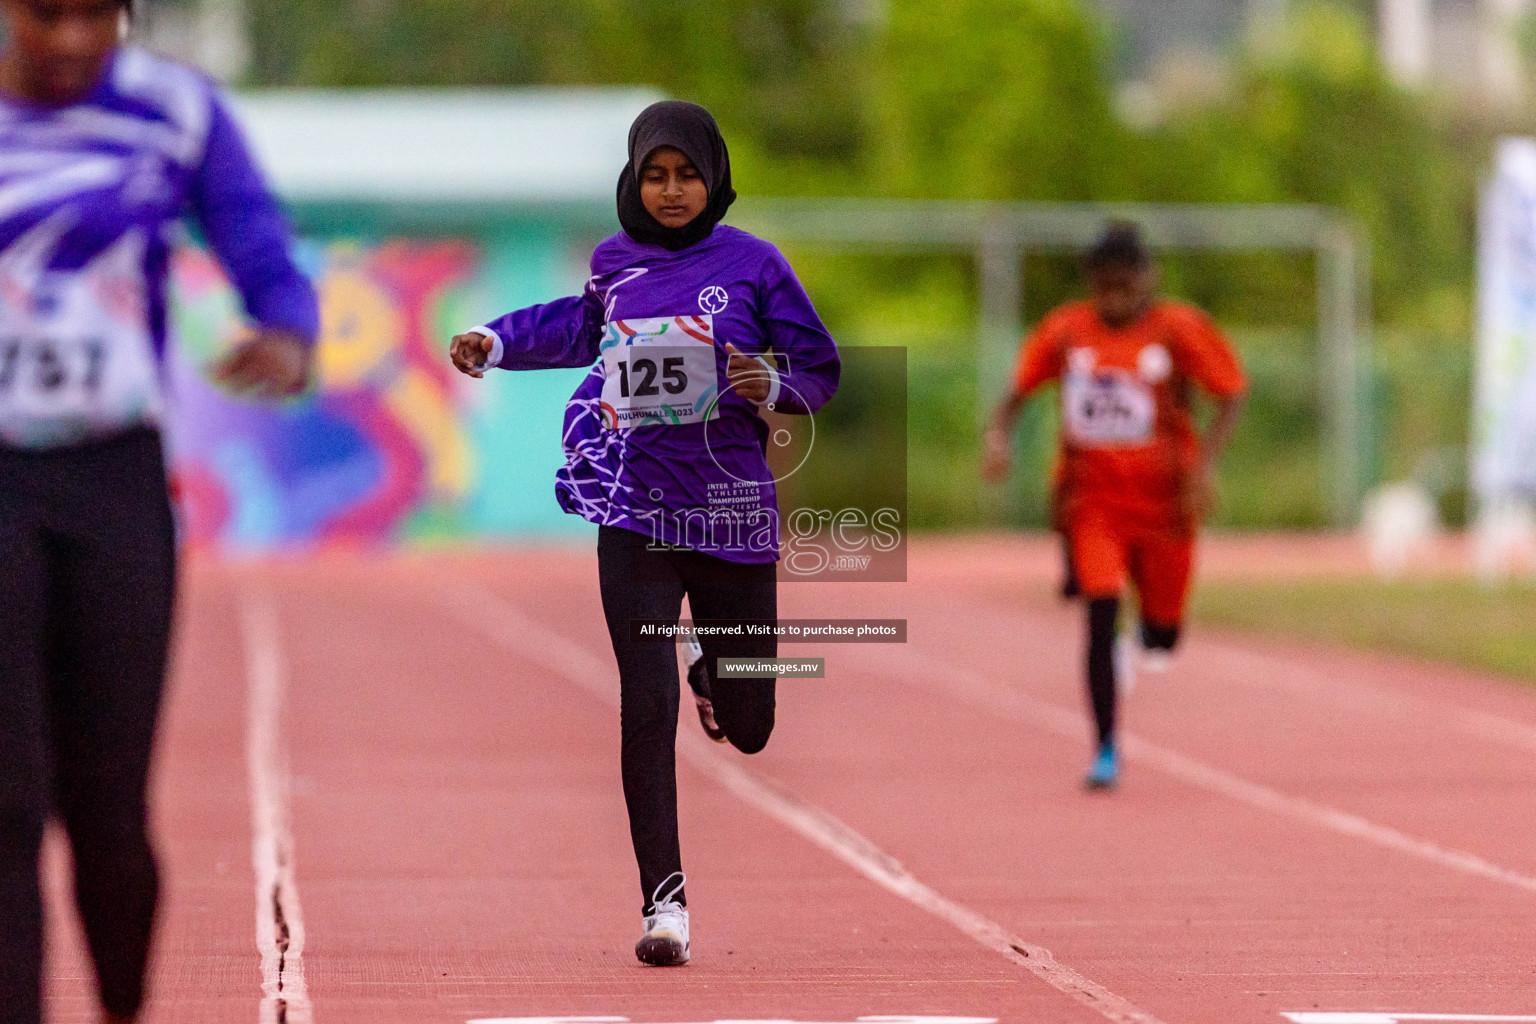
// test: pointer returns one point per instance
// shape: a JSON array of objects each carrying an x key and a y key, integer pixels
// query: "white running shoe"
[
  {"x": 665, "y": 942},
  {"x": 1127, "y": 655},
  {"x": 1156, "y": 659}
]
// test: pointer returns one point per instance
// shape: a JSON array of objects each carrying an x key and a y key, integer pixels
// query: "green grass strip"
[{"x": 1451, "y": 620}]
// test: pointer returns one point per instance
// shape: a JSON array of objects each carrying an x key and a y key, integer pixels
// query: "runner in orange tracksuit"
[{"x": 1134, "y": 479}]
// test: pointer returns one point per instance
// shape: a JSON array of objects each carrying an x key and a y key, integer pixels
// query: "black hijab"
[{"x": 690, "y": 128}]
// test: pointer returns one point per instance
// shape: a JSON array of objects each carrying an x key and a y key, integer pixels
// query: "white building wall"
[
  {"x": 212, "y": 34},
  {"x": 1471, "y": 47},
  {"x": 1406, "y": 37}
]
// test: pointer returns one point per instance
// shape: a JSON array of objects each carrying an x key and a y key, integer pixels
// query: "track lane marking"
[
  {"x": 279, "y": 918},
  {"x": 1373, "y": 1017},
  {"x": 733, "y": 1020},
  {"x": 996, "y": 697},
  {"x": 1275, "y": 672},
  {"x": 1265, "y": 659},
  {"x": 511, "y": 628}
]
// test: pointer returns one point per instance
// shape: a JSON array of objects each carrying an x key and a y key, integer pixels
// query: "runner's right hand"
[
  {"x": 469, "y": 353},
  {"x": 269, "y": 363}
]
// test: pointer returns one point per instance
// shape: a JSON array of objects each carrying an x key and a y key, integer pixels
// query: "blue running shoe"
[{"x": 1105, "y": 772}]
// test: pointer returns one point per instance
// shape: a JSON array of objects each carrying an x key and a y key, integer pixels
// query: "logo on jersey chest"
[
  {"x": 713, "y": 299},
  {"x": 1154, "y": 363}
]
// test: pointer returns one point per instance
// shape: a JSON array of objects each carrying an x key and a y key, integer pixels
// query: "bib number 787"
[{"x": 37, "y": 370}]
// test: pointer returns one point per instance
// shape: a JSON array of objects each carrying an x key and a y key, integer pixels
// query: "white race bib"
[
  {"x": 659, "y": 371},
  {"x": 1107, "y": 408},
  {"x": 76, "y": 358}
]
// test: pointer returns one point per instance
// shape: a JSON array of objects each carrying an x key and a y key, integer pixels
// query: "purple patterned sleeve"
[
  {"x": 247, "y": 231},
  {"x": 550, "y": 336},
  {"x": 808, "y": 361}
]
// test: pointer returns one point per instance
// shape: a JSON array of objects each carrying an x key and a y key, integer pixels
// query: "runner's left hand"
[
  {"x": 268, "y": 364},
  {"x": 749, "y": 377}
]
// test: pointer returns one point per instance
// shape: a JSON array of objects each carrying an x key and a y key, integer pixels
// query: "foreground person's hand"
[
  {"x": 470, "y": 352},
  {"x": 268, "y": 364}
]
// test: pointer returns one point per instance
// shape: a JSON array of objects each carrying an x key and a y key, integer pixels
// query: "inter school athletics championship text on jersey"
[
  {"x": 656, "y": 441},
  {"x": 1127, "y": 438},
  {"x": 90, "y": 194}
]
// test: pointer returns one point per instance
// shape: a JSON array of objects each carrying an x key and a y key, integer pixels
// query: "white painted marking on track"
[
  {"x": 1331, "y": 1017},
  {"x": 734, "y": 1020},
  {"x": 1260, "y": 667},
  {"x": 279, "y": 920},
  {"x": 567, "y": 658},
  {"x": 1264, "y": 669},
  {"x": 1000, "y": 699}
]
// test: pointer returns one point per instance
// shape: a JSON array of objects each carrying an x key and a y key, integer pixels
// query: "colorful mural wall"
[{"x": 394, "y": 446}]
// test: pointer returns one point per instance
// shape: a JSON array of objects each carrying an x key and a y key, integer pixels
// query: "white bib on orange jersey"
[{"x": 1107, "y": 408}]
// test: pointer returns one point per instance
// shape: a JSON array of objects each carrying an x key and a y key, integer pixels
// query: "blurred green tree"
[
  {"x": 784, "y": 74},
  {"x": 993, "y": 99},
  {"x": 1006, "y": 100},
  {"x": 1311, "y": 117}
]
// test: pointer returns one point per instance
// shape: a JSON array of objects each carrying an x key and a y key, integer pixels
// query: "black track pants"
[
  {"x": 638, "y": 583},
  {"x": 1103, "y": 613},
  {"x": 87, "y": 581}
]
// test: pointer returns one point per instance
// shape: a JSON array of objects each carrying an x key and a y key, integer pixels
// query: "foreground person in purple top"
[
  {"x": 665, "y": 447},
  {"x": 102, "y": 149}
]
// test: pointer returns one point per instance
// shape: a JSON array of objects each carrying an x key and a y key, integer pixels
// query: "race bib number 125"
[{"x": 659, "y": 371}]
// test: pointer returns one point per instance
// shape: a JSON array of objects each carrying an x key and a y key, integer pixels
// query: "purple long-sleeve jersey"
[
  {"x": 90, "y": 194},
  {"x": 656, "y": 440}
]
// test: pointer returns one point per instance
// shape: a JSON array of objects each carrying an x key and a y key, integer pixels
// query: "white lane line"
[
  {"x": 279, "y": 919},
  {"x": 625, "y": 1020},
  {"x": 1265, "y": 669},
  {"x": 1261, "y": 667},
  {"x": 971, "y": 685},
  {"x": 1334, "y": 1017},
  {"x": 1495, "y": 727},
  {"x": 541, "y": 644}
]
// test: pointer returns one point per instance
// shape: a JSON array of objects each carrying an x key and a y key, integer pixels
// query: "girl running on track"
[
  {"x": 665, "y": 448},
  {"x": 102, "y": 149},
  {"x": 1134, "y": 480}
]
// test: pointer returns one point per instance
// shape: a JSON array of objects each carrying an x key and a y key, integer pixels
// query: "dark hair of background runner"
[{"x": 1122, "y": 246}]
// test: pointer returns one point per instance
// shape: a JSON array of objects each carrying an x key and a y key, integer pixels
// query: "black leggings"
[
  {"x": 87, "y": 581},
  {"x": 1103, "y": 615},
  {"x": 638, "y": 583}
]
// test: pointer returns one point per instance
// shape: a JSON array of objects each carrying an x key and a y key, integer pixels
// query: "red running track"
[{"x": 1299, "y": 830}]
